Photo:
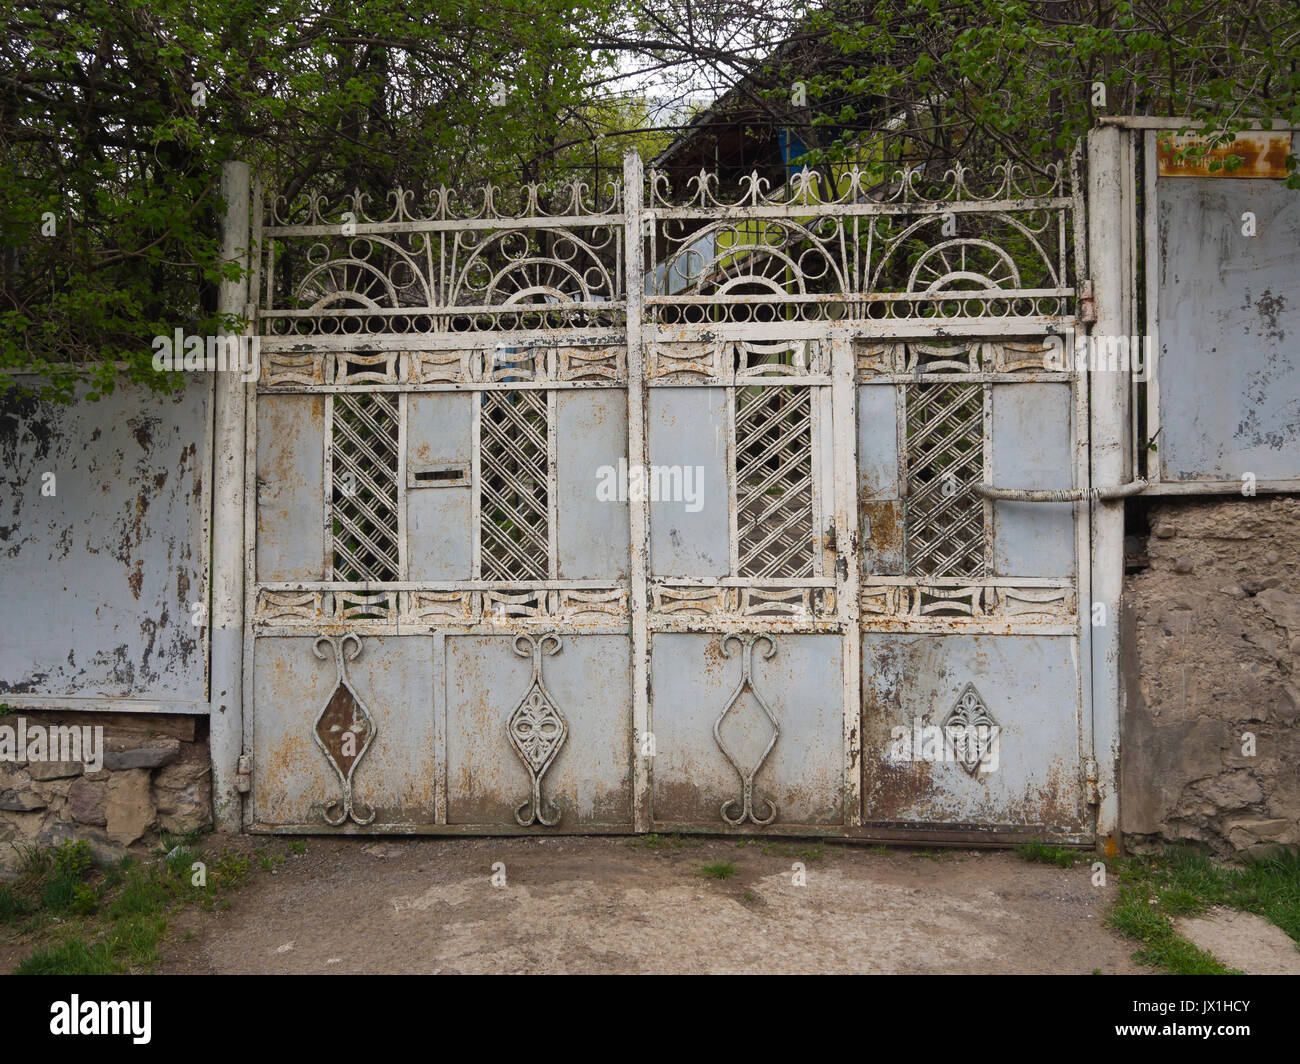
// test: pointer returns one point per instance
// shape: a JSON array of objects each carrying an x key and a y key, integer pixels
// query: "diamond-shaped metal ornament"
[
  {"x": 970, "y": 729},
  {"x": 747, "y": 805},
  {"x": 344, "y": 730},
  {"x": 536, "y": 729}
]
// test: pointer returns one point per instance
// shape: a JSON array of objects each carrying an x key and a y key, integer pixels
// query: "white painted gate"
[{"x": 675, "y": 510}]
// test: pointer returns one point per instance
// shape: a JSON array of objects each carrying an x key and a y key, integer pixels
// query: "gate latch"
[
  {"x": 244, "y": 774},
  {"x": 1090, "y": 782}
]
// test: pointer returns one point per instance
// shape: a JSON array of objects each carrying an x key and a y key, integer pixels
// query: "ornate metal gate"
[{"x": 661, "y": 509}]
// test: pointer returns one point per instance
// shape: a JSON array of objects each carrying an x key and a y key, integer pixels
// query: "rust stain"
[{"x": 1263, "y": 155}]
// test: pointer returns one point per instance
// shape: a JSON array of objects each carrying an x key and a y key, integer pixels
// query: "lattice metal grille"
[
  {"x": 774, "y": 498},
  {"x": 514, "y": 510},
  {"x": 364, "y": 445},
  {"x": 945, "y": 457}
]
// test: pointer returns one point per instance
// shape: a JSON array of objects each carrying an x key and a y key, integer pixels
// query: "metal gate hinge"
[
  {"x": 1087, "y": 303},
  {"x": 1090, "y": 782},
  {"x": 244, "y": 774}
]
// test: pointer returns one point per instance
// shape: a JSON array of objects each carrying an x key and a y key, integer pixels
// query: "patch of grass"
[
  {"x": 35, "y": 861},
  {"x": 73, "y": 860},
  {"x": 229, "y": 871},
  {"x": 1181, "y": 882},
  {"x": 58, "y": 893},
  {"x": 136, "y": 940},
  {"x": 123, "y": 911},
  {"x": 1043, "y": 853},
  {"x": 147, "y": 890},
  {"x": 13, "y": 905},
  {"x": 298, "y": 847},
  {"x": 71, "y": 956},
  {"x": 750, "y": 896},
  {"x": 718, "y": 870},
  {"x": 1138, "y": 916}
]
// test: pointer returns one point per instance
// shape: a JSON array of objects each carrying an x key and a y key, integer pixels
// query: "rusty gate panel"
[
  {"x": 351, "y": 746},
  {"x": 571, "y": 723},
  {"x": 915, "y": 691},
  {"x": 748, "y": 729},
  {"x": 439, "y": 507}
]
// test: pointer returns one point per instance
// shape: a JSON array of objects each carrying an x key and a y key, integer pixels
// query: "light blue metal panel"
[
  {"x": 692, "y": 683},
  {"x": 593, "y": 537},
  {"x": 1032, "y": 449},
  {"x": 438, "y": 516},
  {"x": 438, "y": 429},
  {"x": 1029, "y": 686},
  {"x": 103, "y": 564},
  {"x": 438, "y": 531},
  {"x": 688, "y": 430},
  {"x": 1228, "y": 319},
  {"x": 589, "y": 682},
  {"x": 877, "y": 442},
  {"x": 290, "y": 487},
  {"x": 398, "y": 773}
]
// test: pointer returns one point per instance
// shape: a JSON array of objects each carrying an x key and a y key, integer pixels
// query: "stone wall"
[
  {"x": 1212, "y": 638},
  {"x": 155, "y": 777}
]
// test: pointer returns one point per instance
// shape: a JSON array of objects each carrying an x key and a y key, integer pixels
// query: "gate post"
[
  {"x": 226, "y": 718},
  {"x": 633, "y": 185},
  {"x": 1110, "y": 174}
]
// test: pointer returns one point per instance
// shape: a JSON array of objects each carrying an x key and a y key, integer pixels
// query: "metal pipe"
[{"x": 1119, "y": 491}]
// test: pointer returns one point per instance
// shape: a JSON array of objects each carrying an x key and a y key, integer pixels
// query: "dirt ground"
[{"x": 616, "y": 905}]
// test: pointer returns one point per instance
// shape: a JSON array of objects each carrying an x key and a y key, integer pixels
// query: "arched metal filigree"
[
  {"x": 536, "y": 266},
  {"x": 747, "y": 806},
  {"x": 536, "y": 728},
  {"x": 823, "y": 246},
  {"x": 773, "y": 257},
  {"x": 344, "y": 730}
]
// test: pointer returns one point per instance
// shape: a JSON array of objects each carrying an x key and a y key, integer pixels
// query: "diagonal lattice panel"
[
  {"x": 514, "y": 528},
  {"x": 774, "y": 481},
  {"x": 363, "y": 448},
  {"x": 944, "y": 525}
]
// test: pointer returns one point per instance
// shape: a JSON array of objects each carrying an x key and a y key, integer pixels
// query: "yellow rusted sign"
[{"x": 1262, "y": 154}]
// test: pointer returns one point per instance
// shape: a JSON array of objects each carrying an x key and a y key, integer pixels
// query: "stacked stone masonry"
[{"x": 155, "y": 778}]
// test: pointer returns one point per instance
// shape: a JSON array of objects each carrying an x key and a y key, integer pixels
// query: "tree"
[{"x": 115, "y": 116}]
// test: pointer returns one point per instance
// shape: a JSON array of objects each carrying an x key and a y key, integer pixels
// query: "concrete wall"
[{"x": 1212, "y": 634}]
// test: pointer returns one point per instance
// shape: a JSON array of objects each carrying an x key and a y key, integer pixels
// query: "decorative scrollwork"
[
  {"x": 344, "y": 730},
  {"x": 970, "y": 729},
  {"x": 747, "y": 807},
  {"x": 537, "y": 729}
]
